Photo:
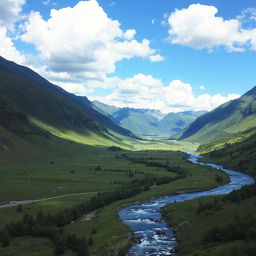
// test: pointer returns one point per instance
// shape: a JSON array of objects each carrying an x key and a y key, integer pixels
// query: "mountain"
[
  {"x": 175, "y": 122},
  {"x": 104, "y": 108},
  {"x": 232, "y": 117},
  {"x": 236, "y": 152},
  {"x": 148, "y": 122},
  {"x": 139, "y": 121},
  {"x": 32, "y": 106}
]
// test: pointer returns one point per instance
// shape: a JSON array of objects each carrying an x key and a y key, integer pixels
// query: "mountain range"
[
  {"x": 148, "y": 122},
  {"x": 34, "y": 111}
]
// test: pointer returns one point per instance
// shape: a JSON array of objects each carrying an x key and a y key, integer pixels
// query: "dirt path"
[{"x": 16, "y": 203}]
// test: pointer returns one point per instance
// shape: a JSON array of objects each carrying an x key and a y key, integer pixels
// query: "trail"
[{"x": 23, "y": 202}]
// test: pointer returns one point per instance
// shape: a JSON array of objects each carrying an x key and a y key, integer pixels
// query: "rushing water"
[{"x": 152, "y": 234}]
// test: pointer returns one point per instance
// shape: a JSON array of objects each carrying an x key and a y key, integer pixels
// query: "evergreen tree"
[
  {"x": 19, "y": 208},
  {"x": 90, "y": 241},
  {"x": 5, "y": 237},
  {"x": 40, "y": 218},
  {"x": 83, "y": 247},
  {"x": 60, "y": 245}
]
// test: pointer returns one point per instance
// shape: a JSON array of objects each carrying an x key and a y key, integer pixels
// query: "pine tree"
[
  {"x": 83, "y": 247},
  {"x": 19, "y": 208},
  {"x": 90, "y": 241},
  {"x": 60, "y": 246},
  {"x": 5, "y": 237}
]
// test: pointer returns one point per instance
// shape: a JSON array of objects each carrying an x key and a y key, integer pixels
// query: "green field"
[
  {"x": 55, "y": 144},
  {"x": 95, "y": 169},
  {"x": 223, "y": 227},
  {"x": 200, "y": 179},
  {"x": 232, "y": 223}
]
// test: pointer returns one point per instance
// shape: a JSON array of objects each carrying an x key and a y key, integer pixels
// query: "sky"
[{"x": 170, "y": 55}]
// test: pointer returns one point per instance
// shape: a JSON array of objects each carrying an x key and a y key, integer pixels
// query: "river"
[{"x": 152, "y": 234}]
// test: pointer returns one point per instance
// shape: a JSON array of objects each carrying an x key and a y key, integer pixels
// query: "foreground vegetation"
[
  {"x": 120, "y": 176},
  {"x": 237, "y": 153},
  {"x": 216, "y": 226},
  {"x": 225, "y": 225}
]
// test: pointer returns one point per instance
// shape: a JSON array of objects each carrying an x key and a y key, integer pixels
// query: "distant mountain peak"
[{"x": 149, "y": 122}]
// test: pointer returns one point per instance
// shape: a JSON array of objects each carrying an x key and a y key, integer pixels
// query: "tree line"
[
  {"x": 181, "y": 173},
  {"x": 239, "y": 230},
  {"x": 51, "y": 225}
]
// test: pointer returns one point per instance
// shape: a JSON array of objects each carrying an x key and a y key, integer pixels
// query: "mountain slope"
[
  {"x": 237, "y": 152},
  {"x": 175, "y": 122},
  {"x": 104, "y": 108},
  {"x": 232, "y": 117},
  {"x": 21, "y": 141},
  {"x": 54, "y": 110},
  {"x": 139, "y": 121}
]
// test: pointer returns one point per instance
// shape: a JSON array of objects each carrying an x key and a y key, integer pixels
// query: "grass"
[
  {"x": 29, "y": 246},
  {"x": 240, "y": 156},
  {"x": 11, "y": 214},
  {"x": 112, "y": 235},
  {"x": 227, "y": 141},
  {"x": 192, "y": 227},
  {"x": 232, "y": 117},
  {"x": 76, "y": 174},
  {"x": 82, "y": 137},
  {"x": 165, "y": 145},
  {"x": 72, "y": 173}
]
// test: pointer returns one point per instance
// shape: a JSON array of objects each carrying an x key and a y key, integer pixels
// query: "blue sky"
[{"x": 171, "y": 55}]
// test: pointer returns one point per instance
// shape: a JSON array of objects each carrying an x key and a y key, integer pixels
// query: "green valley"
[
  {"x": 82, "y": 167},
  {"x": 223, "y": 225}
]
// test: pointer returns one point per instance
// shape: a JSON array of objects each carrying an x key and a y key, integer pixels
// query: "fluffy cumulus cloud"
[
  {"x": 46, "y": 2},
  {"x": 83, "y": 42},
  {"x": 10, "y": 12},
  {"x": 248, "y": 17},
  {"x": 145, "y": 91},
  {"x": 7, "y": 48},
  {"x": 156, "y": 58},
  {"x": 198, "y": 26}
]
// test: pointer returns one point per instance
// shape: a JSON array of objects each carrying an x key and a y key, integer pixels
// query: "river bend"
[{"x": 152, "y": 234}]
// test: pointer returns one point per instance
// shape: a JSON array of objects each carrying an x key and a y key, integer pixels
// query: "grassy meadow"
[
  {"x": 95, "y": 169},
  {"x": 222, "y": 227},
  {"x": 225, "y": 227}
]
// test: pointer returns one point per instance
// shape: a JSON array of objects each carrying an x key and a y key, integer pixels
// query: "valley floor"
[{"x": 105, "y": 170}]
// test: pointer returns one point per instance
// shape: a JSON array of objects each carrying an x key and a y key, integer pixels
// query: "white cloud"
[
  {"x": 46, "y": 2},
  {"x": 156, "y": 58},
  {"x": 112, "y": 4},
  {"x": 129, "y": 34},
  {"x": 83, "y": 41},
  {"x": 202, "y": 87},
  {"x": 247, "y": 16},
  {"x": 198, "y": 26},
  {"x": 143, "y": 91},
  {"x": 74, "y": 88},
  {"x": 10, "y": 12},
  {"x": 7, "y": 48}
]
